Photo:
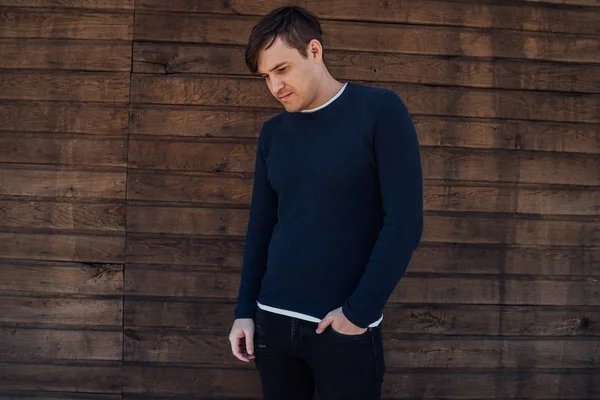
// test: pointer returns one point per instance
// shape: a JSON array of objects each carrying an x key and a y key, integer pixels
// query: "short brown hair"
[{"x": 297, "y": 26}]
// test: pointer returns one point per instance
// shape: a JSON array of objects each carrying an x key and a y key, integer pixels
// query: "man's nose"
[{"x": 276, "y": 86}]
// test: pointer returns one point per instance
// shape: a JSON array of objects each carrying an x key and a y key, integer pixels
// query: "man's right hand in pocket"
[{"x": 242, "y": 339}]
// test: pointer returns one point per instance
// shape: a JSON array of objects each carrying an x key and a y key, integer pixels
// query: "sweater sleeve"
[
  {"x": 262, "y": 219},
  {"x": 396, "y": 148}
]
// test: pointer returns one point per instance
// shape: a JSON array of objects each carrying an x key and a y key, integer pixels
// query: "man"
[{"x": 336, "y": 214}]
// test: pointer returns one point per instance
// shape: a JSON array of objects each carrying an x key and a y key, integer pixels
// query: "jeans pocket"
[{"x": 349, "y": 337}]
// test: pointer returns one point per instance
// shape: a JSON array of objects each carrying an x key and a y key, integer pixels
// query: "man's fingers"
[
  {"x": 325, "y": 322},
  {"x": 249, "y": 341},
  {"x": 236, "y": 349}
]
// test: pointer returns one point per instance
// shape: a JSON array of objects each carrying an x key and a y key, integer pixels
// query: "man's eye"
[{"x": 282, "y": 69}]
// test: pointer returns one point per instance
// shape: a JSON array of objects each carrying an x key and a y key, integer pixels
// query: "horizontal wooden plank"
[
  {"x": 43, "y": 395},
  {"x": 32, "y": 23},
  {"x": 398, "y": 320},
  {"x": 378, "y": 37},
  {"x": 427, "y": 12},
  {"x": 438, "y": 162},
  {"x": 174, "y": 121},
  {"x": 48, "y": 311},
  {"x": 62, "y": 184},
  {"x": 36, "y": 148},
  {"x": 103, "y": 217},
  {"x": 62, "y": 247},
  {"x": 420, "y": 99},
  {"x": 65, "y": 55},
  {"x": 210, "y": 188},
  {"x": 60, "y": 117},
  {"x": 159, "y": 58},
  {"x": 439, "y": 195},
  {"x": 92, "y": 278},
  {"x": 421, "y": 290},
  {"x": 19, "y": 343},
  {"x": 82, "y": 377},
  {"x": 65, "y": 86},
  {"x": 438, "y": 229},
  {"x": 61, "y": 4},
  {"x": 189, "y": 348},
  {"x": 452, "y": 258},
  {"x": 567, "y": 2},
  {"x": 213, "y": 382}
]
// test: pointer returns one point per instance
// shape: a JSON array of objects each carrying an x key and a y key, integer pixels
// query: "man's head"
[{"x": 285, "y": 47}]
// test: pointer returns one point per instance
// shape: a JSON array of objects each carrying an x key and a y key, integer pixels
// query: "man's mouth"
[{"x": 283, "y": 98}]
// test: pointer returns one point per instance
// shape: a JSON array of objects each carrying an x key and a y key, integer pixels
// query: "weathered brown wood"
[
  {"x": 65, "y": 86},
  {"x": 42, "y": 148},
  {"x": 92, "y": 278},
  {"x": 439, "y": 195},
  {"x": 460, "y": 352},
  {"x": 75, "y": 376},
  {"x": 438, "y": 162},
  {"x": 568, "y": 2},
  {"x": 209, "y": 188},
  {"x": 374, "y": 37},
  {"x": 103, "y": 217},
  {"x": 429, "y": 258},
  {"x": 32, "y": 395},
  {"x": 492, "y": 15},
  {"x": 63, "y": 247},
  {"x": 166, "y": 58},
  {"x": 420, "y": 99},
  {"x": 398, "y": 320},
  {"x": 60, "y": 117},
  {"x": 421, "y": 290},
  {"x": 214, "y": 382},
  {"x": 60, "y": 4},
  {"x": 197, "y": 122},
  {"x": 438, "y": 229},
  {"x": 60, "y": 182},
  {"x": 60, "y": 312},
  {"x": 74, "y": 24},
  {"x": 45, "y": 344},
  {"x": 65, "y": 55},
  {"x": 177, "y": 121}
]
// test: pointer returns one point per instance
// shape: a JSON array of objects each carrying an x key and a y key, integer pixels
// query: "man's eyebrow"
[{"x": 275, "y": 67}]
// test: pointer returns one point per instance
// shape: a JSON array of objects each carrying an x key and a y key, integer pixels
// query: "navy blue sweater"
[{"x": 337, "y": 208}]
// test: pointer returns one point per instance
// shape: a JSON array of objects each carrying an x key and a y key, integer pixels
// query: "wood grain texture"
[
  {"x": 159, "y": 58},
  {"x": 35, "y": 148},
  {"x": 47, "y": 311},
  {"x": 42, "y": 395},
  {"x": 193, "y": 251},
  {"x": 438, "y": 162},
  {"x": 419, "y": 290},
  {"x": 48, "y": 215},
  {"x": 60, "y": 344},
  {"x": 61, "y": 183},
  {"x": 438, "y": 229},
  {"x": 80, "y": 376},
  {"x": 74, "y": 24},
  {"x": 199, "y": 122},
  {"x": 443, "y": 321},
  {"x": 62, "y": 247},
  {"x": 420, "y": 99},
  {"x": 65, "y": 86},
  {"x": 105, "y": 119},
  {"x": 61, "y": 4},
  {"x": 374, "y": 37},
  {"x": 188, "y": 348},
  {"x": 215, "y": 382},
  {"x": 69, "y": 278},
  {"x": 65, "y": 55},
  {"x": 493, "y": 15}
]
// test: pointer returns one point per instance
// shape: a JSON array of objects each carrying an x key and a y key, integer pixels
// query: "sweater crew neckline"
[{"x": 326, "y": 107}]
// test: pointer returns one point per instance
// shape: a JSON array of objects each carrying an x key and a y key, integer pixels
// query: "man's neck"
[{"x": 332, "y": 88}]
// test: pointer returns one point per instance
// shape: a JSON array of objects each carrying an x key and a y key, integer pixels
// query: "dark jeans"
[{"x": 293, "y": 360}]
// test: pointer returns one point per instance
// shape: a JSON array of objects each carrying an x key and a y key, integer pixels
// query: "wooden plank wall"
[{"x": 127, "y": 140}]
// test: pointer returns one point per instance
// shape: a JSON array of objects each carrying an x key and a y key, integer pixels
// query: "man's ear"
[{"x": 315, "y": 49}]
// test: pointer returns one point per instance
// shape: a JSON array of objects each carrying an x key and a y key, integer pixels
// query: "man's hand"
[
  {"x": 340, "y": 323},
  {"x": 242, "y": 339}
]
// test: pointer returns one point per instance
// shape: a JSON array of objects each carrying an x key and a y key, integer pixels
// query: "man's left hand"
[{"x": 339, "y": 323}]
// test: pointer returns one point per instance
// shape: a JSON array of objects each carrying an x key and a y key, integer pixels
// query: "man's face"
[{"x": 290, "y": 77}]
